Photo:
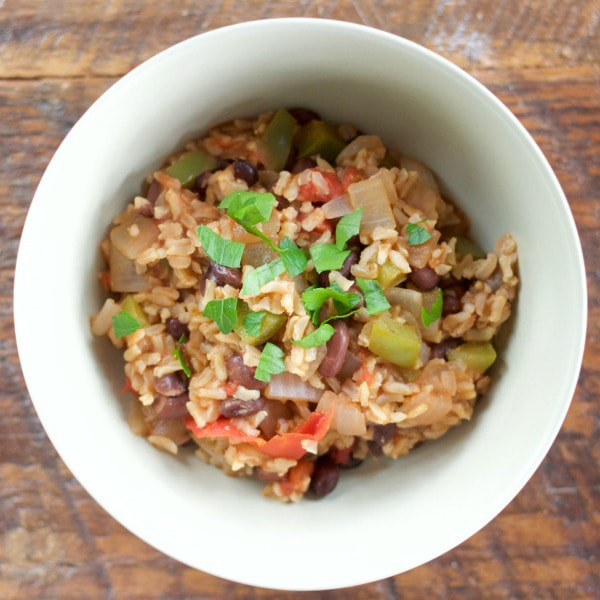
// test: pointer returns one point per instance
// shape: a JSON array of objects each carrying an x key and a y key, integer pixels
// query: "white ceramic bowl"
[{"x": 385, "y": 517}]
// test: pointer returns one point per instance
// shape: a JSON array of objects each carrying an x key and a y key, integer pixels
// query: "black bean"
[
  {"x": 425, "y": 279},
  {"x": 324, "y": 477},
  {"x": 440, "y": 350},
  {"x": 170, "y": 385},
  {"x": 282, "y": 202},
  {"x": 302, "y": 164},
  {"x": 495, "y": 280},
  {"x": 324, "y": 278},
  {"x": 337, "y": 348},
  {"x": 176, "y": 328},
  {"x": 226, "y": 275},
  {"x": 382, "y": 434},
  {"x": 343, "y": 458},
  {"x": 239, "y": 373},
  {"x": 154, "y": 191},
  {"x": 354, "y": 242},
  {"x": 246, "y": 171},
  {"x": 275, "y": 410},
  {"x": 447, "y": 281},
  {"x": 222, "y": 163},
  {"x": 304, "y": 115},
  {"x": 352, "y": 463},
  {"x": 233, "y": 408},
  {"x": 351, "y": 260},
  {"x": 291, "y": 159},
  {"x": 452, "y": 303},
  {"x": 171, "y": 407}
]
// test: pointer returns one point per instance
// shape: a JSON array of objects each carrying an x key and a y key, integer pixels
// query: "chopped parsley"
[
  {"x": 318, "y": 337},
  {"x": 124, "y": 324},
  {"x": 348, "y": 226},
  {"x": 270, "y": 363},
  {"x": 224, "y": 252},
  {"x": 314, "y": 298},
  {"x": 294, "y": 258},
  {"x": 416, "y": 234},
  {"x": 430, "y": 316},
  {"x": 253, "y": 321},
  {"x": 254, "y": 280},
  {"x": 223, "y": 313},
  {"x": 375, "y": 301},
  {"x": 176, "y": 352}
]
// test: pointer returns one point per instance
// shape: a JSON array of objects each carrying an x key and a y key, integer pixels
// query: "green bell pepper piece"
[
  {"x": 398, "y": 343},
  {"x": 320, "y": 138},
  {"x": 276, "y": 141},
  {"x": 186, "y": 169},
  {"x": 269, "y": 326}
]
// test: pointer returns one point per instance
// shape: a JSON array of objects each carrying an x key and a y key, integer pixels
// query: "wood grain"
[{"x": 542, "y": 58}]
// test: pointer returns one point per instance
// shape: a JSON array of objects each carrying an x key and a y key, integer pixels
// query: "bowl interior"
[{"x": 396, "y": 515}]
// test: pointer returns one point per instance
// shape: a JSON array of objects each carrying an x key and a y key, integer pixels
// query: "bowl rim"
[{"x": 80, "y": 473}]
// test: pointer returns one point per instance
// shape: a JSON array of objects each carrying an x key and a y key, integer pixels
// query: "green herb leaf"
[
  {"x": 430, "y": 316},
  {"x": 416, "y": 234},
  {"x": 270, "y": 363},
  {"x": 294, "y": 259},
  {"x": 254, "y": 280},
  {"x": 253, "y": 320},
  {"x": 224, "y": 252},
  {"x": 313, "y": 299},
  {"x": 124, "y": 324},
  {"x": 375, "y": 301},
  {"x": 348, "y": 226},
  {"x": 176, "y": 352},
  {"x": 223, "y": 313},
  {"x": 318, "y": 337},
  {"x": 248, "y": 208},
  {"x": 328, "y": 257}
]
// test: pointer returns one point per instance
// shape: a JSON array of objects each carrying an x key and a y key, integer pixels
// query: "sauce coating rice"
[{"x": 291, "y": 297}]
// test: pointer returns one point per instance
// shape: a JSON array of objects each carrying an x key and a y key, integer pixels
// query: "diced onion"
[
  {"x": 347, "y": 419},
  {"x": 287, "y": 386},
  {"x": 424, "y": 194},
  {"x": 410, "y": 300},
  {"x": 145, "y": 233},
  {"x": 372, "y": 197},
  {"x": 370, "y": 142},
  {"x": 123, "y": 276},
  {"x": 258, "y": 254},
  {"x": 337, "y": 207}
]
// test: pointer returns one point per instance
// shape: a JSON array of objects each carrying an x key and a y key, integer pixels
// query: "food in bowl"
[{"x": 292, "y": 297}]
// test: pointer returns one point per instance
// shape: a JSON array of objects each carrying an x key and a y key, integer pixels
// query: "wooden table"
[{"x": 541, "y": 57}]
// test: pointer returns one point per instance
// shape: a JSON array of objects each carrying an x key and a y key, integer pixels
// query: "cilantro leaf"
[
  {"x": 253, "y": 321},
  {"x": 270, "y": 363},
  {"x": 254, "y": 280},
  {"x": 328, "y": 257},
  {"x": 416, "y": 234},
  {"x": 313, "y": 299},
  {"x": 318, "y": 337},
  {"x": 348, "y": 226},
  {"x": 176, "y": 352},
  {"x": 124, "y": 324},
  {"x": 224, "y": 252},
  {"x": 294, "y": 258},
  {"x": 375, "y": 301},
  {"x": 223, "y": 313},
  {"x": 248, "y": 208},
  {"x": 430, "y": 316}
]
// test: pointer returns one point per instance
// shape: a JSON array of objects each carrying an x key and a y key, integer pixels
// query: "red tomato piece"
[
  {"x": 222, "y": 427},
  {"x": 309, "y": 192}
]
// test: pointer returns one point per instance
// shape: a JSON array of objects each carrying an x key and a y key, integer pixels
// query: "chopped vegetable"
[
  {"x": 254, "y": 280},
  {"x": 294, "y": 258},
  {"x": 288, "y": 386},
  {"x": 134, "y": 235},
  {"x": 417, "y": 235},
  {"x": 318, "y": 337},
  {"x": 375, "y": 301},
  {"x": 317, "y": 137},
  {"x": 248, "y": 208},
  {"x": 186, "y": 169},
  {"x": 465, "y": 246},
  {"x": 347, "y": 227},
  {"x": 263, "y": 325},
  {"x": 223, "y": 313},
  {"x": 123, "y": 275},
  {"x": 477, "y": 356},
  {"x": 310, "y": 192},
  {"x": 222, "y": 427},
  {"x": 293, "y": 444},
  {"x": 270, "y": 363},
  {"x": 124, "y": 324},
  {"x": 131, "y": 306},
  {"x": 176, "y": 352},
  {"x": 222, "y": 251},
  {"x": 328, "y": 257},
  {"x": 338, "y": 207},
  {"x": 389, "y": 275},
  {"x": 398, "y": 343},
  {"x": 276, "y": 141},
  {"x": 433, "y": 314},
  {"x": 314, "y": 298},
  {"x": 388, "y": 161},
  {"x": 371, "y": 195}
]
